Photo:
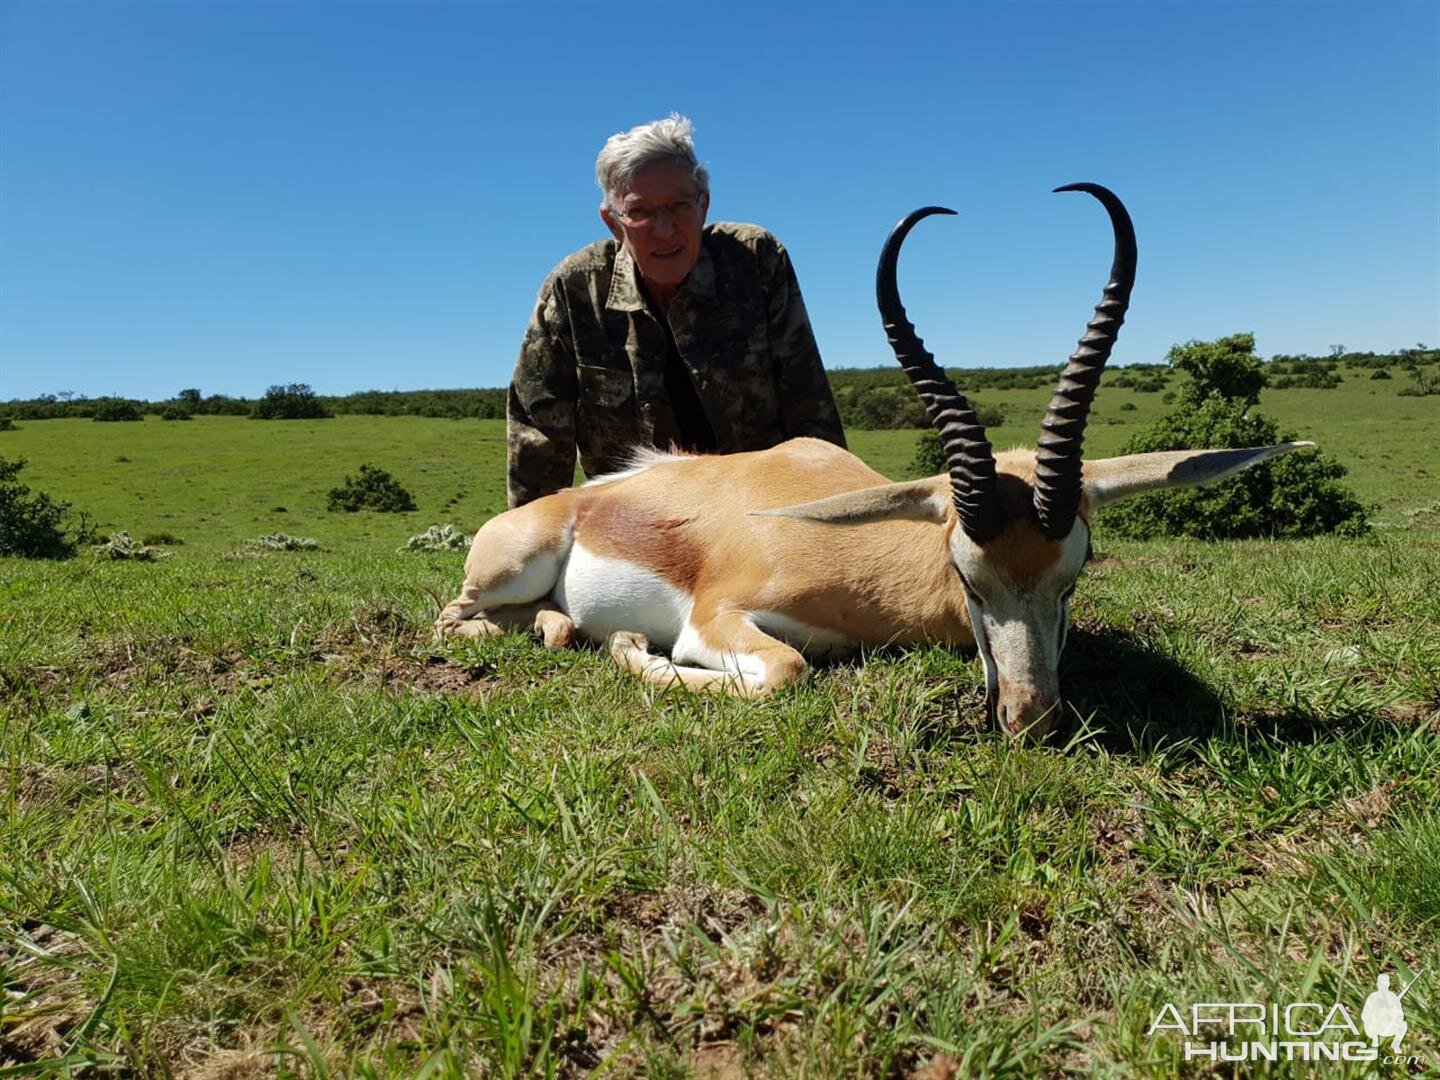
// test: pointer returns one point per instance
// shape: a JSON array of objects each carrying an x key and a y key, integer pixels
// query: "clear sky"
[{"x": 368, "y": 195}]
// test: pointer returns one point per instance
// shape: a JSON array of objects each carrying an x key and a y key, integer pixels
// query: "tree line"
[{"x": 870, "y": 398}]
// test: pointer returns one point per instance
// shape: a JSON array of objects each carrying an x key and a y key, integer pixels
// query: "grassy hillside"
[
  {"x": 217, "y": 480},
  {"x": 253, "y": 821}
]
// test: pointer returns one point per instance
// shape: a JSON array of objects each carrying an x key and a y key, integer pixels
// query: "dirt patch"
[
  {"x": 426, "y": 674},
  {"x": 719, "y": 1061},
  {"x": 1370, "y": 808},
  {"x": 37, "y": 681},
  {"x": 1413, "y": 713},
  {"x": 68, "y": 784},
  {"x": 44, "y": 1004},
  {"x": 1101, "y": 566},
  {"x": 373, "y": 627},
  {"x": 231, "y": 1065}
]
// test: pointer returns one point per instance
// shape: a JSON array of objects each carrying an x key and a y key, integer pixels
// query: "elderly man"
[{"x": 673, "y": 334}]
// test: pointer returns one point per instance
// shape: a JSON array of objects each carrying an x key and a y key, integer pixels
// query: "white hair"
[{"x": 627, "y": 152}]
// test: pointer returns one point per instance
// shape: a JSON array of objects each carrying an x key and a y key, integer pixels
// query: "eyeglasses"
[{"x": 640, "y": 217}]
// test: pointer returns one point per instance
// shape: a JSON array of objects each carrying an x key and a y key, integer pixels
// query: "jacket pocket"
[{"x": 606, "y": 387}]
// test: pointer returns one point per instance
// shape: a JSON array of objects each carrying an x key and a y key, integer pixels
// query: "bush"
[
  {"x": 1142, "y": 382},
  {"x": 35, "y": 526},
  {"x": 1425, "y": 384},
  {"x": 175, "y": 412},
  {"x": 111, "y": 409},
  {"x": 929, "y": 459},
  {"x": 1298, "y": 494},
  {"x": 124, "y": 546},
  {"x": 374, "y": 489},
  {"x": 1226, "y": 367},
  {"x": 438, "y": 538},
  {"x": 1316, "y": 379},
  {"x": 220, "y": 405},
  {"x": 1380, "y": 373},
  {"x": 880, "y": 407},
  {"x": 163, "y": 539},
  {"x": 6, "y": 424},
  {"x": 282, "y": 542},
  {"x": 294, "y": 401}
]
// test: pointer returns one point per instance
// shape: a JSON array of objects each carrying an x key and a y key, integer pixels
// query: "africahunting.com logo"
[{"x": 1298, "y": 1031}]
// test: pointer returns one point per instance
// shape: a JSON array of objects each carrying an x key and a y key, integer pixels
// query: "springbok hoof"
[
  {"x": 626, "y": 642},
  {"x": 555, "y": 628}
]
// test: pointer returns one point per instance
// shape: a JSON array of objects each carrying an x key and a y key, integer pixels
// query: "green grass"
[{"x": 254, "y": 821}]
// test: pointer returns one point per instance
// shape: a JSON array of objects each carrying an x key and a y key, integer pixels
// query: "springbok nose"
[{"x": 1027, "y": 712}]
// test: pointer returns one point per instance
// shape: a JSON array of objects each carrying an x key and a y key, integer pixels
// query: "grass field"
[{"x": 255, "y": 821}]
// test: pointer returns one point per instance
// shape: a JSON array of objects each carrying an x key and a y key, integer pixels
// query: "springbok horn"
[
  {"x": 967, "y": 452},
  {"x": 1059, "y": 449}
]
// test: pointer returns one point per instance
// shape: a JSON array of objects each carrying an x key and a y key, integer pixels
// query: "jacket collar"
[{"x": 625, "y": 294}]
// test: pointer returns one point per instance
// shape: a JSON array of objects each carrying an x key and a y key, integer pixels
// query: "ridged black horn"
[
  {"x": 967, "y": 452},
  {"x": 1059, "y": 449}
]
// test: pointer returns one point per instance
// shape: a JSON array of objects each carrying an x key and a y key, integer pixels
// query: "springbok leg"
[
  {"x": 514, "y": 563},
  {"x": 726, "y": 655}
]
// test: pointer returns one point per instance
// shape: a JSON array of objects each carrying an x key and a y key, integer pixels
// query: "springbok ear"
[
  {"x": 1112, "y": 479},
  {"x": 919, "y": 500}
]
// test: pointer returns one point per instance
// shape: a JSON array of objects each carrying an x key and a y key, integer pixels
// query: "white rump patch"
[
  {"x": 602, "y": 595},
  {"x": 640, "y": 459}
]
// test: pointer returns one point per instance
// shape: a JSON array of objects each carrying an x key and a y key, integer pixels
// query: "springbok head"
[{"x": 1019, "y": 533}]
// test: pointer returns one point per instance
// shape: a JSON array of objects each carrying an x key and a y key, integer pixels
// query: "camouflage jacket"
[{"x": 591, "y": 373}]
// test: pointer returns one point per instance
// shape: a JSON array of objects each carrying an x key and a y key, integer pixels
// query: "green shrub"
[
  {"x": 175, "y": 412},
  {"x": 220, "y": 405},
  {"x": 929, "y": 459},
  {"x": 294, "y": 401},
  {"x": 163, "y": 539},
  {"x": 1315, "y": 379},
  {"x": 282, "y": 542},
  {"x": 36, "y": 526},
  {"x": 1298, "y": 494},
  {"x": 1426, "y": 516},
  {"x": 1424, "y": 385},
  {"x": 1142, "y": 382},
  {"x": 1226, "y": 367},
  {"x": 374, "y": 489},
  {"x": 6, "y": 424},
  {"x": 112, "y": 409},
  {"x": 880, "y": 407},
  {"x": 438, "y": 538},
  {"x": 1380, "y": 373},
  {"x": 124, "y": 546}
]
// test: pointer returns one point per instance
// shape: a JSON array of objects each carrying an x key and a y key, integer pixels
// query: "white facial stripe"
[
  {"x": 982, "y": 646},
  {"x": 1021, "y": 632}
]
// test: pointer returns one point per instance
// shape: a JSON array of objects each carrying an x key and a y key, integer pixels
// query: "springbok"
[{"x": 742, "y": 566}]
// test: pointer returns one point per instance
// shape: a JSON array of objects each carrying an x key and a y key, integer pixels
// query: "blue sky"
[{"x": 229, "y": 195}]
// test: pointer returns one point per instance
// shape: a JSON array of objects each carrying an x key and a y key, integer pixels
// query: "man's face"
[{"x": 658, "y": 220}]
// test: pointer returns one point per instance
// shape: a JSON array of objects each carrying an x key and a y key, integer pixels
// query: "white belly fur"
[
  {"x": 603, "y": 595},
  {"x": 812, "y": 643}
]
